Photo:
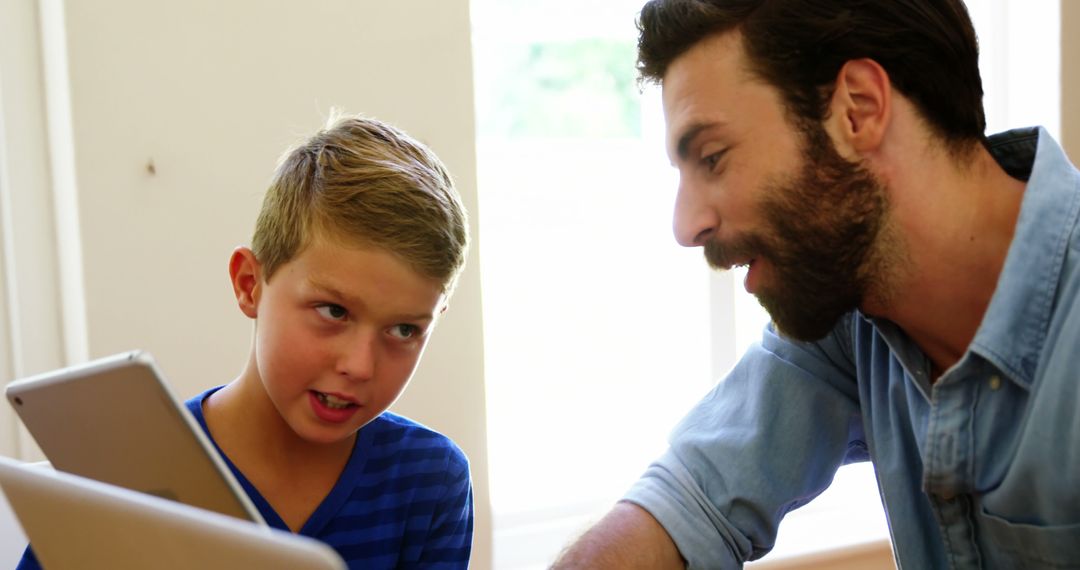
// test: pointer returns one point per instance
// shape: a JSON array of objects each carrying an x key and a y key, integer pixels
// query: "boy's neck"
[{"x": 292, "y": 474}]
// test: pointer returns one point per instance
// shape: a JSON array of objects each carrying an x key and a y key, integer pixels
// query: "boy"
[{"x": 356, "y": 251}]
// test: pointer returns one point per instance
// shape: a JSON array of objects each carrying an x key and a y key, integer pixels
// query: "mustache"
[{"x": 722, "y": 256}]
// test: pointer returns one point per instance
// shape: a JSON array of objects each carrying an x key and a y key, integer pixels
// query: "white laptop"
[
  {"x": 115, "y": 420},
  {"x": 79, "y": 523}
]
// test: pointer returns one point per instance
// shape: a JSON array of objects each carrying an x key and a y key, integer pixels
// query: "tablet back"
[
  {"x": 115, "y": 420},
  {"x": 78, "y": 523}
]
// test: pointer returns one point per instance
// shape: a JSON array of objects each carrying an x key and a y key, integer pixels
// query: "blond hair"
[{"x": 369, "y": 184}]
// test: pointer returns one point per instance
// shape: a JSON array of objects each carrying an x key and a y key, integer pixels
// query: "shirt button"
[{"x": 995, "y": 382}]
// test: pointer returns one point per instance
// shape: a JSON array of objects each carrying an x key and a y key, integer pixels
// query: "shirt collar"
[{"x": 1014, "y": 328}]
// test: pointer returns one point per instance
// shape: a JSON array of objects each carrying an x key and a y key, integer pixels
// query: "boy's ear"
[
  {"x": 245, "y": 272},
  {"x": 861, "y": 107}
]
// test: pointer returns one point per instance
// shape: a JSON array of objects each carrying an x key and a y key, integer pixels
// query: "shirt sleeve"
[
  {"x": 766, "y": 440},
  {"x": 449, "y": 543}
]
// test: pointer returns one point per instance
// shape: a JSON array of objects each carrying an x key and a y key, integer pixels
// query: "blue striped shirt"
[{"x": 404, "y": 499}]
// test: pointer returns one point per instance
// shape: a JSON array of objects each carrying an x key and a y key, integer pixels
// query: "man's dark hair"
[{"x": 928, "y": 48}]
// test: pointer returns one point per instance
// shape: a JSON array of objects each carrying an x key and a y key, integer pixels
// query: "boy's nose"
[
  {"x": 694, "y": 220},
  {"x": 358, "y": 357}
]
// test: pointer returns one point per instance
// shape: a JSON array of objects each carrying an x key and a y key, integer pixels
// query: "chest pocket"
[{"x": 1009, "y": 545}]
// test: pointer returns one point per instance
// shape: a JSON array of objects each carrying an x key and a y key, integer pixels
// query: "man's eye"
[
  {"x": 404, "y": 331},
  {"x": 332, "y": 311},
  {"x": 711, "y": 160}
]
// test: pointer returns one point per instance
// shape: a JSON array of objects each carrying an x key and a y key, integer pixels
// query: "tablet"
[
  {"x": 79, "y": 523},
  {"x": 115, "y": 420}
]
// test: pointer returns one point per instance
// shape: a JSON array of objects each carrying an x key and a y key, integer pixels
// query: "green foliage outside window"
[{"x": 580, "y": 88}]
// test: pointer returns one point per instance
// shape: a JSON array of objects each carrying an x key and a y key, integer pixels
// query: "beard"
[{"x": 823, "y": 237}]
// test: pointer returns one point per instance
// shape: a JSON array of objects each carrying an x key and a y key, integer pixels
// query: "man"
[{"x": 921, "y": 277}]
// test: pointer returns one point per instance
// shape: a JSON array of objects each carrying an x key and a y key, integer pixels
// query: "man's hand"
[{"x": 628, "y": 537}]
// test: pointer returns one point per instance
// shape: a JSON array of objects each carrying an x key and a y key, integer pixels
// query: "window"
[
  {"x": 601, "y": 331},
  {"x": 587, "y": 299}
]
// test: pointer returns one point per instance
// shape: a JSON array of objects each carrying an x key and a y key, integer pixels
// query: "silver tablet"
[
  {"x": 78, "y": 523},
  {"x": 116, "y": 420}
]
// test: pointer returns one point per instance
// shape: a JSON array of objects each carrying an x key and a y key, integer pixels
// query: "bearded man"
[{"x": 922, "y": 279}]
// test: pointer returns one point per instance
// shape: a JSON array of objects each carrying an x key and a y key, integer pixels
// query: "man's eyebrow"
[{"x": 682, "y": 148}]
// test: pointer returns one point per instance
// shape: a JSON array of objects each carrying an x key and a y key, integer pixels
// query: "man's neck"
[{"x": 956, "y": 222}]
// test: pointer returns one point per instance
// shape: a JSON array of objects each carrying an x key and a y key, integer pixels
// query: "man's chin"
[
  {"x": 802, "y": 333},
  {"x": 797, "y": 323}
]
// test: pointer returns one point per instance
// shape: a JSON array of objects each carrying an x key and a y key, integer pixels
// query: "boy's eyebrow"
[{"x": 338, "y": 295}]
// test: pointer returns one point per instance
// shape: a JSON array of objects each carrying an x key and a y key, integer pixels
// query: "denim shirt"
[{"x": 980, "y": 469}]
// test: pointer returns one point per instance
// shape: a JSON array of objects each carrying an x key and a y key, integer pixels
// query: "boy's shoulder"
[
  {"x": 389, "y": 421},
  {"x": 393, "y": 433}
]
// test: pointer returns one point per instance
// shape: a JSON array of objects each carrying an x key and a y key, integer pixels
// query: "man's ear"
[
  {"x": 861, "y": 107},
  {"x": 245, "y": 272}
]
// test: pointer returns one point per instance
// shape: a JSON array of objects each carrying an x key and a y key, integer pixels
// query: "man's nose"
[{"x": 695, "y": 220}]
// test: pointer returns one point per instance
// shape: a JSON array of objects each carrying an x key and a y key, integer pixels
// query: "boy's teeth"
[{"x": 332, "y": 401}]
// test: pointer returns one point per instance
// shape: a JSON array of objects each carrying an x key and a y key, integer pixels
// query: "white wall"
[
  {"x": 30, "y": 328},
  {"x": 211, "y": 93}
]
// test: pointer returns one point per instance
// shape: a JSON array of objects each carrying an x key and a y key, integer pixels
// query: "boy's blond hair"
[{"x": 365, "y": 183}]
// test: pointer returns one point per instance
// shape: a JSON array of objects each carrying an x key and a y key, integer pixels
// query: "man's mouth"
[
  {"x": 735, "y": 263},
  {"x": 736, "y": 253}
]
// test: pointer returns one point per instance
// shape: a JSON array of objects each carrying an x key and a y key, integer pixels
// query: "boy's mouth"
[{"x": 332, "y": 401}]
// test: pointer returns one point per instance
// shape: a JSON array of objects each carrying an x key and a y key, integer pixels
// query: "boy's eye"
[
  {"x": 332, "y": 311},
  {"x": 404, "y": 331}
]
